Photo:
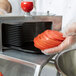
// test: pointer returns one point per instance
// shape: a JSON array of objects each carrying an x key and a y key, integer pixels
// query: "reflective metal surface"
[
  {"x": 0, "y": 37},
  {"x": 34, "y": 61},
  {"x": 9, "y": 68},
  {"x": 66, "y": 62},
  {"x": 49, "y": 70},
  {"x": 56, "y": 20}
]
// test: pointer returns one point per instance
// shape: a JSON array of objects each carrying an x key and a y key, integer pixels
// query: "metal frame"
[{"x": 21, "y": 58}]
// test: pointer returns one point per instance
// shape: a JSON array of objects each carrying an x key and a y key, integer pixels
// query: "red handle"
[{"x": 1, "y": 74}]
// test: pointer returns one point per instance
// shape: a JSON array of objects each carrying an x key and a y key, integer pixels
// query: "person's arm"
[
  {"x": 5, "y": 6},
  {"x": 69, "y": 31}
]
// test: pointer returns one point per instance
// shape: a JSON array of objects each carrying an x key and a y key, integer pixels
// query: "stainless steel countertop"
[{"x": 39, "y": 59}]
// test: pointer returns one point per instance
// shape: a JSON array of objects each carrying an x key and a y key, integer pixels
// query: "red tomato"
[
  {"x": 1, "y": 74},
  {"x": 48, "y": 39},
  {"x": 27, "y": 6},
  {"x": 37, "y": 45},
  {"x": 38, "y": 42},
  {"x": 42, "y": 41},
  {"x": 54, "y": 35},
  {"x": 44, "y": 45}
]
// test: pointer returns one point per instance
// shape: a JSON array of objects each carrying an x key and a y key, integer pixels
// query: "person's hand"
[
  {"x": 70, "y": 34},
  {"x": 5, "y": 7}
]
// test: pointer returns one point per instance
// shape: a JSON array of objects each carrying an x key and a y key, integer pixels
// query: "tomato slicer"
[
  {"x": 16, "y": 43},
  {"x": 18, "y": 32}
]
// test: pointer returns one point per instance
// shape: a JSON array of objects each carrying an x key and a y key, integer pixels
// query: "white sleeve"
[
  {"x": 2, "y": 11},
  {"x": 69, "y": 16},
  {"x": 16, "y": 8},
  {"x": 53, "y": 6}
]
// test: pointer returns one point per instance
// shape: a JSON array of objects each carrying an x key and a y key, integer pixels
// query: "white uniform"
[
  {"x": 58, "y": 7},
  {"x": 66, "y": 8},
  {"x": 53, "y": 6},
  {"x": 16, "y": 7},
  {"x": 69, "y": 15}
]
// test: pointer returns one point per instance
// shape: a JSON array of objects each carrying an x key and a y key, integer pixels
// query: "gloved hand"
[{"x": 70, "y": 34}]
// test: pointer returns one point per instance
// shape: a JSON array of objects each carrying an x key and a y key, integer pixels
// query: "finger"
[{"x": 70, "y": 29}]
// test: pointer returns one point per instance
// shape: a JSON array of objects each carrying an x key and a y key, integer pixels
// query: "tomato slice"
[
  {"x": 48, "y": 39},
  {"x": 44, "y": 45},
  {"x": 37, "y": 44},
  {"x": 41, "y": 42},
  {"x": 54, "y": 35}
]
